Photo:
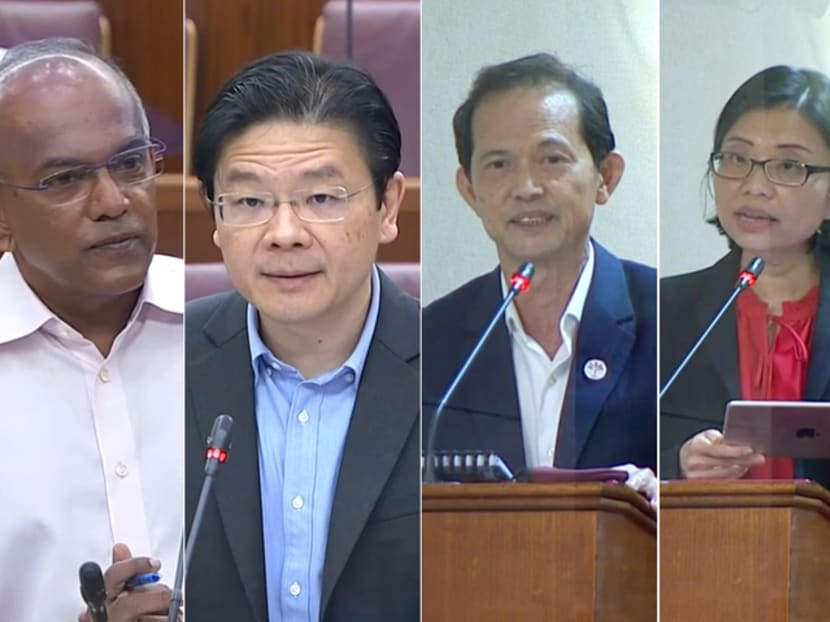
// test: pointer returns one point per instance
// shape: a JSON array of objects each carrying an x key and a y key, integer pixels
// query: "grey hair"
[{"x": 31, "y": 51}]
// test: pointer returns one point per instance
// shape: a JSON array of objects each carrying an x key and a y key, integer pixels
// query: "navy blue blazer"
[
  {"x": 603, "y": 422},
  {"x": 697, "y": 400}
]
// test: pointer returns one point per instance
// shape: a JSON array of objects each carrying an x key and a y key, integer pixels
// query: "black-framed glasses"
[
  {"x": 323, "y": 204},
  {"x": 781, "y": 171},
  {"x": 126, "y": 168}
]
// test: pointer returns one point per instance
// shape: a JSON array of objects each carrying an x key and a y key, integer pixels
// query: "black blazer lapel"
[
  {"x": 490, "y": 392},
  {"x": 236, "y": 488},
  {"x": 385, "y": 414},
  {"x": 607, "y": 334},
  {"x": 818, "y": 374},
  {"x": 721, "y": 346}
]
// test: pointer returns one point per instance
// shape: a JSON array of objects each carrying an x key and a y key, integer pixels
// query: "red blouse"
[{"x": 778, "y": 372}]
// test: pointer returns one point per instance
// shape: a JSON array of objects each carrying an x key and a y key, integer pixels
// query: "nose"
[
  {"x": 757, "y": 183},
  {"x": 285, "y": 230},
  {"x": 525, "y": 186},
  {"x": 106, "y": 199}
]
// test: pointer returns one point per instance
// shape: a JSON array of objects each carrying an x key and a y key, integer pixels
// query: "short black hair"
[
  {"x": 306, "y": 88},
  {"x": 540, "y": 69},
  {"x": 804, "y": 90}
]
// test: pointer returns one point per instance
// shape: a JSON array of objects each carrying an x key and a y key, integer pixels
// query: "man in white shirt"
[
  {"x": 568, "y": 379},
  {"x": 90, "y": 341}
]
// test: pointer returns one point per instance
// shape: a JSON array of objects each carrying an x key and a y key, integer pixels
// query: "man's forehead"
[
  {"x": 46, "y": 72},
  {"x": 62, "y": 105}
]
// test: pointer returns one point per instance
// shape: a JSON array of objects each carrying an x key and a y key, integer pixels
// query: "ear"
[
  {"x": 6, "y": 238},
  {"x": 390, "y": 206},
  {"x": 610, "y": 172},
  {"x": 216, "y": 239},
  {"x": 465, "y": 189}
]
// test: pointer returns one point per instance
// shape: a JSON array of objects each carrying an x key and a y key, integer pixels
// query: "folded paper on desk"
[{"x": 556, "y": 474}]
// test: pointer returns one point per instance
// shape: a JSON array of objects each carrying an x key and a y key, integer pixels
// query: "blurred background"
[
  {"x": 145, "y": 38},
  {"x": 385, "y": 41},
  {"x": 707, "y": 49},
  {"x": 178, "y": 54},
  {"x": 612, "y": 42}
]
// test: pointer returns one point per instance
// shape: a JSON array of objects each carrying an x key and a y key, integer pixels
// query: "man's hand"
[
  {"x": 707, "y": 456},
  {"x": 144, "y": 604},
  {"x": 642, "y": 480}
]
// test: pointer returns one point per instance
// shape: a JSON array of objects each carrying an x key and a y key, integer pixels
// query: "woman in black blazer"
[{"x": 770, "y": 176}]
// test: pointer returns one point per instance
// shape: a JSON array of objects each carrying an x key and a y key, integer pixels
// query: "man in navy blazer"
[{"x": 568, "y": 378}]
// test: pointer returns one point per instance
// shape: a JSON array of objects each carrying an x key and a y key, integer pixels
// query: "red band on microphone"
[
  {"x": 519, "y": 281},
  {"x": 747, "y": 278},
  {"x": 214, "y": 453}
]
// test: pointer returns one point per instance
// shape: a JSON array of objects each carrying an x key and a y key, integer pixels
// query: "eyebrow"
[
  {"x": 66, "y": 162},
  {"x": 545, "y": 142},
  {"x": 739, "y": 139},
  {"x": 329, "y": 171}
]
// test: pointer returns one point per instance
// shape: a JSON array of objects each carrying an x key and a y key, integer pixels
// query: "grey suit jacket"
[{"x": 372, "y": 564}]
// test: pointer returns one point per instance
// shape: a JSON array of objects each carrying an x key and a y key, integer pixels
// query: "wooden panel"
[
  {"x": 200, "y": 247},
  {"x": 744, "y": 551},
  {"x": 147, "y": 40},
  {"x": 569, "y": 553},
  {"x": 233, "y": 33},
  {"x": 169, "y": 200}
]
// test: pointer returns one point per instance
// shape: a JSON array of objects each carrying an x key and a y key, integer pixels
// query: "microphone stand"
[
  {"x": 746, "y": 279},
  {"x": 518, "y": 283},
  {"x": 218, "y": 445}
]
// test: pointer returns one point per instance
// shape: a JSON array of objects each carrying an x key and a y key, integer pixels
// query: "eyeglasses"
[
  {"x": 244, "y": 209},
  {"x": 783, "y": 172},
  {"x": 126, "y": 168}
]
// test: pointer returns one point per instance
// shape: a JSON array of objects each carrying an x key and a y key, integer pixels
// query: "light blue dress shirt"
[{"x": 301, "y": 429}]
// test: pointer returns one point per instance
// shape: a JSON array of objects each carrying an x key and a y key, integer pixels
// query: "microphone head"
[
  {"x": 520, "y": 281},
  {"x": 751, "y": 273},
  {"x": 218, "y": 443},
  {"x": 220, "y": 433},
  {"x": 93, "y": 590}
]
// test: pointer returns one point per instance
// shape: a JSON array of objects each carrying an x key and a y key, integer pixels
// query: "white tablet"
[{"x": 794, "y": 429}]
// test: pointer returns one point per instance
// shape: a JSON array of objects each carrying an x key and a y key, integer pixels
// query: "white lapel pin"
[{"x": 595, "y": 369}]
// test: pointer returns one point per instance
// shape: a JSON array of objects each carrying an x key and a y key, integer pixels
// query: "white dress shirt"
[
  {"x": 92, "y": 447},
  {"x": 540, "y": 380}
]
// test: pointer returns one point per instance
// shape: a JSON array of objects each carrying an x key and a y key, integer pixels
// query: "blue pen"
[{"x": 142, "y": 579}]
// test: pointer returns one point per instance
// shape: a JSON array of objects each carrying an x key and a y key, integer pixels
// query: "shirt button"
[
  {"x": 269, "y": 370},
  {"x": 552, "y": 380},
  {"x": 303, "y": 417},
  {"x": 104, "y": 375},
  {"x": 297, "y": 503},
  {"x": 294, "y": 589},
  {"x": 350, "y": 378},
  {"x": 121, "y": 470},
  {"x": 66, "y": 333}
]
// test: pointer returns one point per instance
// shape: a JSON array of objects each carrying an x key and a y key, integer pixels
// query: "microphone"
[
  {"x": 93, "y": 591},
  {"x": 746, "y": 279},
  {"x": 519, "y": 282},
  {"x": 218, "y": 446}
]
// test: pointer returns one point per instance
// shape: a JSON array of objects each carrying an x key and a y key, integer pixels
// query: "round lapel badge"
[{"x": 595, "y": 369}]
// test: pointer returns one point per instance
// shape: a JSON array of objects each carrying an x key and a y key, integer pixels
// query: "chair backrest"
[
  {"x": 191, "y": 36},
  {"x": 386, "y": 42},
  {"x": 28, "y": 20},
  {"x": 204, "y": 279}
]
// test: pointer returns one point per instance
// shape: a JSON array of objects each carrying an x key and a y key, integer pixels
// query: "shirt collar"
[
  {"x": 24, "y": 312},
  {"x": 262, "y": 355},
  {"x": 572, "y": 316}
]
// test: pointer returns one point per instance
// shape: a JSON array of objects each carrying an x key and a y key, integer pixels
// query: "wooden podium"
[
  {"x": 540, "y": 552},
  {"x": 744, "y": 551}
]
